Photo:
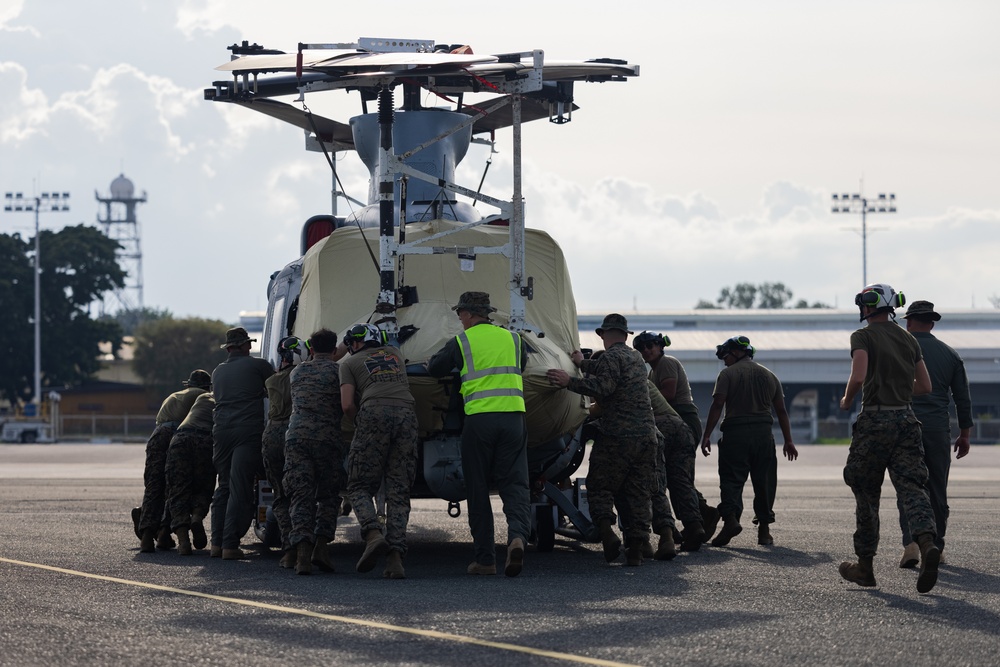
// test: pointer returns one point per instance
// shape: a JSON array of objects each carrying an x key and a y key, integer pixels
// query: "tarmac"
[{"x": 75, "y": 590}]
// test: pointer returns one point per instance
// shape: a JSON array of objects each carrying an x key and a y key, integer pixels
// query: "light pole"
[
  {"x": 16, "y": 201},
  {"x": 858, "y": 203}
]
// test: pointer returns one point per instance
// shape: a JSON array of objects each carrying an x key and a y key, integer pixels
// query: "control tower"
[{"x": 117, "y": 218}]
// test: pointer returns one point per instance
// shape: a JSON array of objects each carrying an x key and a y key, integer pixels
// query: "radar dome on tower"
[{"x": 122, "y": 188}]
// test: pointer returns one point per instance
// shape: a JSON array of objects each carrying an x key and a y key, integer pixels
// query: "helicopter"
[{"x": 425, "y": 245}]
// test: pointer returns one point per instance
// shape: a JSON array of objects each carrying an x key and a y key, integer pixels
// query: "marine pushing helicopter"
[{"x": 425, "y": 246}]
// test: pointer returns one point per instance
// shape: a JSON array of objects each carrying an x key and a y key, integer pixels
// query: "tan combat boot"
[
  {"x": 911, "y": 556},
  {"x": 861, "y": 573},
  {"x": 709, "y": 519},
  {"x": 303, "y": 558},
  {"x": 287, "y": 561},
  {"x": 694, "y": 536},
  {"x": 375, "y": 548},
  {"x": 163, "y": 539},
  {"x": 609, "y": 540},
  {"x": 183, "y": 541},
  {"x": 633, "y": 551},
  {"x": 198, "y": 537},
  {"x": 321, "y": 555},
  {"x": 666, "y": 549},
  {"x": 515, "y": 557},
  {"x": 730, "y": 529},
  {"x": 930, "y": 557},
  {"x": 394, "y": 566},
  {"x": 147, "y": 542}
]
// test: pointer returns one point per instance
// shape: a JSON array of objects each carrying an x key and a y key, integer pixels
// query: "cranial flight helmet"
[
  {"x": 741, "y": 343},
  {"x": 291, "y": 347},
  {"x": 646, "y": 337},
  {"x": 365, "y": 333},
  {"x": 879, "y": 296}
]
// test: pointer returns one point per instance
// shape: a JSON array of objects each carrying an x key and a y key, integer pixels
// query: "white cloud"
[{"x": 23, "y": 111}]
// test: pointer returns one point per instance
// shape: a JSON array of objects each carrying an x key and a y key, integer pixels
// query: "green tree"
[
  {"x": 773, "y": 295},
  {"x": 705, "y": 305},
  {"x": 78, "y": 266},
  {"x": 740, "y": 296},
  {"x": 802, "y": 303},
  {"x": 167, "y": 350}
]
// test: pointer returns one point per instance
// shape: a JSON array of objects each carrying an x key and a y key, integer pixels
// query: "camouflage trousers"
[
  {"x": 675, "y": 472},
  {"x": 314, "y": 476},
  {"x": 154, "y": 477},
  {"x": 384, "y": 447},
  {"x": 747, "y": 450},
  {"x": 190, "y": 477},
  {"x": 273, "y": 451},
  {"x": 888, "y": 440},
  {"x": 623, "y": 467}
]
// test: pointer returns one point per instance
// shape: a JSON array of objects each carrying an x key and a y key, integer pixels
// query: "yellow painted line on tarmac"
[{"x": 428, "y": 634}]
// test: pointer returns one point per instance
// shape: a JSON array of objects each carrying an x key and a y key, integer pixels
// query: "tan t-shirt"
[
  {"x": 749, "y": 388},
  {"x": 176, "y": 406},
  {"x": 669, "y": 368},
  {"x": 893, "y": 354},
  {"x": 377, "y": 372}
]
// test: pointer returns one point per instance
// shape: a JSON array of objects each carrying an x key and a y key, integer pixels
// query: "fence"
[{"x": 106, "y": 427}]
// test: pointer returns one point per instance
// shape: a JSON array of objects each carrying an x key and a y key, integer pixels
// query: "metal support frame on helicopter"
[{"x": 412, "y": 154}]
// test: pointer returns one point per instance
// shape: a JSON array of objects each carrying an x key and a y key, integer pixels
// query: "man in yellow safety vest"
[{"x": 494, "y": 440}]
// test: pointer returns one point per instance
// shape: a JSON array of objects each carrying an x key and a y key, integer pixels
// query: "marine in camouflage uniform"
[
  {"x": 314, "y": 454},
  {"x": 279, "y": 395},
  {"x": 623, "y": 460},
  {"x": 748, "y": 392},
  {"x": 375, "y": 392},
  {"x": 191, "y": 475},
  {"x": 172, "y": 412},
  {"x": 887, "y": 366}
]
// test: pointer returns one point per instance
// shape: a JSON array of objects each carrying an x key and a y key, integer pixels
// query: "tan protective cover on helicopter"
[{"x": 340, "y": 287}]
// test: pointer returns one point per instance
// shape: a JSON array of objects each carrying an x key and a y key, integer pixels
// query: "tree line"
[
  {"x": 78, "y": 268},
  {"x": 764, "y": 295}
]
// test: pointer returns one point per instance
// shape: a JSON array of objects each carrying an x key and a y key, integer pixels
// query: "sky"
[{"x": 714, "y": 167}]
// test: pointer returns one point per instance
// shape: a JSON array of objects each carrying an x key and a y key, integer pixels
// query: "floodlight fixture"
[
  {"x": 858, "y": 203},
  {"x": 41, "y": 203}
]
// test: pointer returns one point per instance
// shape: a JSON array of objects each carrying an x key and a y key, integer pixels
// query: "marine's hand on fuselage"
[{"x": 557, "y": 376}]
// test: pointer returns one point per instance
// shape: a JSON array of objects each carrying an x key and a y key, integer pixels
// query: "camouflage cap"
[
  {"x": 198, "y": 378},
  {"x": 237, "y": 336},
  {"x": 477, "y": 303},
  {"x": 613, "y": 321},
  {"x": 922, "y": 310}
]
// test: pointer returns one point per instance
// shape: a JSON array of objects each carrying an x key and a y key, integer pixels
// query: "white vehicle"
[
  {"x": 26, "y": 432},
  {"x": 401, "y": 261}
]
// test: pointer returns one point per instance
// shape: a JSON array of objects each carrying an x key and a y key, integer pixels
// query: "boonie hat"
[
  {"x": 237, "y": 336},
  {"x": 613, "y": 321},
  {"x": 477, "y": 303},
  {"x": 198, "y": 378},
  {"x": 922, "y": 310}
]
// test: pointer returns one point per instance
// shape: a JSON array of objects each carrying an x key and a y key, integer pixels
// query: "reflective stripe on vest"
[{"x": 491, "y": 370}]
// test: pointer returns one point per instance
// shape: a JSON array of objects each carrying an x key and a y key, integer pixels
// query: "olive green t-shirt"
[
  {"x": 377, "y": 372},
  {"x": 279, "y": 394},
  {"x": 893, "y": 354},
  {"x": 660, "y": 406},
  {"x": 749, "y": 388},
  {"x": 201, "y": 414},
  {"x": 669, "y": 368},
  {"x": 176, "y": 406}
]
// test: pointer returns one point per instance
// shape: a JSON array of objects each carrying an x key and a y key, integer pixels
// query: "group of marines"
[{"x": 644, "y": 426}]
